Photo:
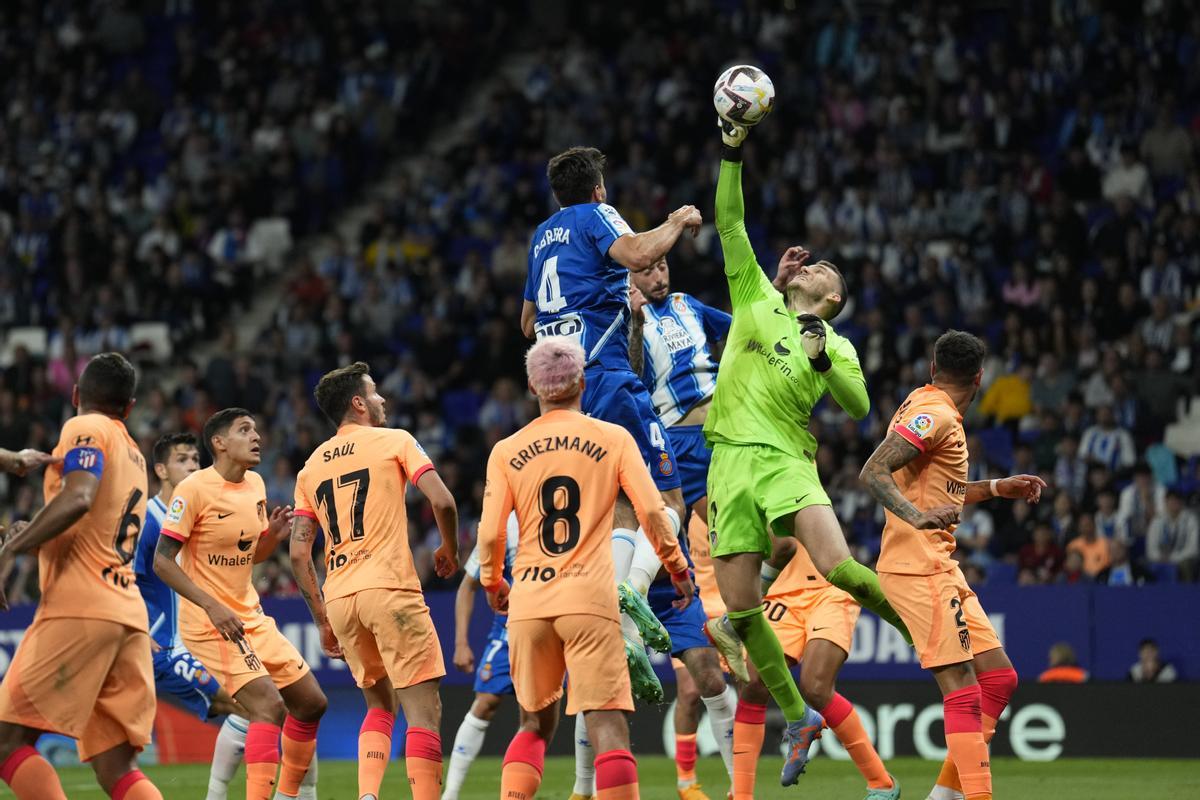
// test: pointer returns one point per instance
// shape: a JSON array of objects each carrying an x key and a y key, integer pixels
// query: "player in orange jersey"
[
  {"x": 814, "y": 621},
  {"x": 83, "y": 668},
  {"x": 561, "y": 474},
  {"x": 372, "y": 611},
  {"x": 919, "y": 475},
  {"x": 218, "y": 518}
]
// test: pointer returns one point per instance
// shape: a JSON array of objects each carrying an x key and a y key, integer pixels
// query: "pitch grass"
[{"x": 1079, "y": 779}]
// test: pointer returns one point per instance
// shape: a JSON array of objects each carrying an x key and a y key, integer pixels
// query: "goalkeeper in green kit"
[{"x": 781, "y": 357}]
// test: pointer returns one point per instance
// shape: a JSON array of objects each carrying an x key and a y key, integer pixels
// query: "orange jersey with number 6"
[
  {"x": 561, "y": 474},
  {"x": 87, "y": 570},
  {"x": 353, "y": 485}
]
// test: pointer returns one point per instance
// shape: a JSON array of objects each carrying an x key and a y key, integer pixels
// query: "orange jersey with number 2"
[{"x": 561, "y": 474}]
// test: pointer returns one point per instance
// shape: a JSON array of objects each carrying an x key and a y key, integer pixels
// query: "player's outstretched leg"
[
  {"x": 21, "y": 766},
  {"x": 749, "y": 730},
  {"x": 375, "y": 738},
  {"x": 616, "y": 769},
  {"x": 468, "y": 742},
  {"x": 997, "y": 682},
  {"x": 227, "y": 755},
  {"x": 422, "y": 705},
  {"x": 306, "y": 704},
  {"x": 821, "y": 663},
  {"x": 117, "y": 772},
  {"x": 585, "y": 767},
  {"x": 961, "y": 700},
  {"x": 267, "y": 712},
  {"x": 525, "y": 758},
  {"x": 687, "y": 721}
]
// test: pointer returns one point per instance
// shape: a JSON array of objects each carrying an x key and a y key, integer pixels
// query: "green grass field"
[{"x": 1091, "y": 779}]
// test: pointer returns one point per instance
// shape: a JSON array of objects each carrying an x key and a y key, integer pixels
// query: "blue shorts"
[
  {"x": 686, "y": 627},
  {"x": 617, "y": 396},
  {"x": 177, "y": 673},
  {"x": 692, "y": 455},
  {"x": 492, "y": 676}
]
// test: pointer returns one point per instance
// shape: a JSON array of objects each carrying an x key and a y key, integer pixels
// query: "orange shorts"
[
  {"x": 263, "y": 653},
  {"x": 586, "y": 648},
  {"x": 387, "y": 632},
  {"x": 799, "y": 617},
  {"x": 943, "y": 615},
  {"x": 90, "y": 679}
]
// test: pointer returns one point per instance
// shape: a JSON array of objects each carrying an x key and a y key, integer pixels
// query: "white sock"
[
  {"x": 623, "y": 541},
  {"x": 940, "y": 792},
  {"x": 308, "y": 786},
  {"x": 585, "y": 757},
  {"x": 646, "y": 563},
  {"x": 721, "y": 709},
  {"x": 467, "y": 743},
  {"x": 768, "y": 574},
  {"x": 227, "y": 755}
]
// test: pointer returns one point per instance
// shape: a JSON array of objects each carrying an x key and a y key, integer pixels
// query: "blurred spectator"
[
  {"x": 1042, "y": 557},
  {"x": 1127, "y": 178},
  {"x": 1174, "y": 537},
  {"x": 1089, "y": 544},
  {"x": 1150, "y": 668},
  {"x": 1063, "y": 668},
  {"x": 1123, "y": 571},
  {"x": 1072, "y": 570},
  {"x": 1008, "y": 398},
  {"x": 1167, "y": 147},
  {"x": 1140, "y": 502},
  {"x": 1106, "y": 444}
]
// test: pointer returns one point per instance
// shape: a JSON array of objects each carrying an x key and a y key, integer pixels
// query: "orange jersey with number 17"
[
  {"x": 353, "y": 485},
  {"x": 561, "y": 474}
]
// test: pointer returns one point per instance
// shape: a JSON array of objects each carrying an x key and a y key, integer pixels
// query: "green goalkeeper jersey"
[{"x": 766, "y": 387}]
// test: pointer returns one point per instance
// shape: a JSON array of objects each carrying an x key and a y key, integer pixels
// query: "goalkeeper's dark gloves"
[
  {"x": 732, "y": 137},
  {"x": 812, "y": 339}
]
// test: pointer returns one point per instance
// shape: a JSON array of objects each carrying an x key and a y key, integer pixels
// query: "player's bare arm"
[
  {"x": 637, "y": 324},
  {"x": 528, "y": 317},
  {"x": 22, "y": 462},
  {"x": 464, "y": 604},
  {"x": 893, "y": 453},
  {"x": 1015, "y": 487},
  {"x": 165, "y": 567},
  {"x": 277, "y": 531},
  {"x": 300, "y": 549},
  {"x": 445, "y": 558},
  {"x": 639, "y": 251}
]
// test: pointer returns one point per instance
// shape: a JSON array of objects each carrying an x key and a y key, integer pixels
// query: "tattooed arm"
[
  {"x": 300, "y": 549},
  {"x": 1016, "y": 487},
  {"x": 891, "y": 455},
  {"x": 637, "y": 322},
  {"x": 166, "y": 567}
]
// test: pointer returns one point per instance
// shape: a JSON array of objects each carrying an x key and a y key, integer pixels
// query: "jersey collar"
[{"x": 929, "y": 387}]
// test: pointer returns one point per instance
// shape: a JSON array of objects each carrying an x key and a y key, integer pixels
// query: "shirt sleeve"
[
  {"x": 493, "y": 523},
  {"x": 647, "y": 502},
  {"x": 716, "y": 322},
  {"x": 924, "y": 426},
  {"x": 845, "y": 378},
  {"x": 302, "y": 505},
  {"x": 606, "y": 225},
  {"x": 182, "y": 512},
  {"x": 81, "y": 446},
  {"x": 413, "y": 458},
  {"x": 530, "y": 287},
  {"x": 472, "y": 565},
  {"x": 747, "y": 282}
]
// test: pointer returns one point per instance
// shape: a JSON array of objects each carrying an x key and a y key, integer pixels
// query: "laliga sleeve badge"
[{"x": 921, "y": 425}]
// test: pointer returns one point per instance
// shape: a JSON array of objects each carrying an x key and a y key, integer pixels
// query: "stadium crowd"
[{"x": 1030, "y": 177}]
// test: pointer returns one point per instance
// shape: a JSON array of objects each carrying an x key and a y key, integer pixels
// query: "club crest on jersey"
[
  {"x": 664, "y": 464},
  {"x": 921, "y": 425},
  {"x": 175, "y": 512},
  {"x": 678, "y": 303},
  {"x": 485, "y": 672}
]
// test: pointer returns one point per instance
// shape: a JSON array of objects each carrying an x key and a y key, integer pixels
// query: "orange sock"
[
  {"x": 844, "y": 720},
  {"x": 685, "y": 758},
  {"x": 616, "y": 776},
  {"x": 262, "y": 760},
  {"x": 133, "y": 785},
  {"x": 948, "y": 777},
  {"x": 964, "y": 738},
  {"x": 519, "y": 781},
  {"x": 30, "y": 776},
  {"x": 749, "y": 729},
  {"x": 374, "y": 749},
  {"x": 299, "y": 744},
  {"x": 423, "y": 761}
]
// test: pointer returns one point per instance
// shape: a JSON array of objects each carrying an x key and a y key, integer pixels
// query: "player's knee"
[
  {"x": 485, "y": 706},
  {"x": 710, "y": 682},
  {"x": 782, "y": 550},
  {"x": 269, "y": 709},
  {"x": 816, "y": 690},
  {"x": 756, "y": 692}
]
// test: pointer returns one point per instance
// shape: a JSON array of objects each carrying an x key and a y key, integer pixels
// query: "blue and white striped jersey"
[
  {"x": 162, "y": 604},
  {"x": 579, "y": 291},
  {"x": 679, "y": 369}
]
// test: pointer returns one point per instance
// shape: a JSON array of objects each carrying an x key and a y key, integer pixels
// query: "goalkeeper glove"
[
  {"x": 812, "y": 339},
  {"x": 732, "y": 135}
]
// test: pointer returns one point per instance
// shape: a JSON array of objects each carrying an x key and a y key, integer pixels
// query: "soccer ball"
[{"x": 744, "y": 95}]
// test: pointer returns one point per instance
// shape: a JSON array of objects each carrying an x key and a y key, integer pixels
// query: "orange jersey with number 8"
[
  {"x": 353, "y": 485},
  {"x": 561, "y": 474}
]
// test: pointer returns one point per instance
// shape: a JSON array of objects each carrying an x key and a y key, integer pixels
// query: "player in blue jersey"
[
  {"x": 176, "y": 673},
  {"x": 492, "y": 677},
  {"x": 578, "y": 286}
]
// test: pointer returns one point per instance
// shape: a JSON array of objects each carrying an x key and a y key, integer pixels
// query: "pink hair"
[{"x": 555, "y": 367}]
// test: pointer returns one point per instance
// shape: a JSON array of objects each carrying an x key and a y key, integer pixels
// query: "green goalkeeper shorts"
[{"x": 754, "y": 489}]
